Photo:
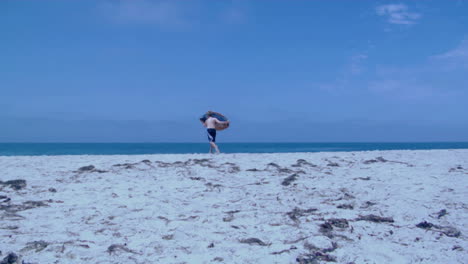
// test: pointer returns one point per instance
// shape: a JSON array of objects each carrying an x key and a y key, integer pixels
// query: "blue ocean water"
[{"x": 34, "y": 149}]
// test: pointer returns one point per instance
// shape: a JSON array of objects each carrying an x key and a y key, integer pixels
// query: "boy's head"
[{"x": 209, "y": 113}]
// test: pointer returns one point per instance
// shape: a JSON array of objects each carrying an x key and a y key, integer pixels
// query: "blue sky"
[{"x": 144, "y": 71}]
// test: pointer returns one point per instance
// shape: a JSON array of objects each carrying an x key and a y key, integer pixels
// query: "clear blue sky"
[{"x": 129, "y": 71}]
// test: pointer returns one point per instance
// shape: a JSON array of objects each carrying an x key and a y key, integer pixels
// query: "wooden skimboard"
[{"x": 218, "y": 116}]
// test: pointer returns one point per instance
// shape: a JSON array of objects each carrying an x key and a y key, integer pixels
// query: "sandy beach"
[{"x": 343, "y": 207}]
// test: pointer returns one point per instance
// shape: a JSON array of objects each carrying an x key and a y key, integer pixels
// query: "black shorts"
[{"x": 211, "y": 134}]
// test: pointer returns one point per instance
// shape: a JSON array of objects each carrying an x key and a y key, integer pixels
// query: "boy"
[{"x": 210, "y": 124}]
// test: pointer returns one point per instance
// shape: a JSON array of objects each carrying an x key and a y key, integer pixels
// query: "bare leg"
[
  {"x": 211, "y": 148},
  {"x": 213, "y": 145}
]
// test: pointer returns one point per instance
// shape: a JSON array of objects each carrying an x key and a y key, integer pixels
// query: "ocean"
[{"x": 37, "y": 149}]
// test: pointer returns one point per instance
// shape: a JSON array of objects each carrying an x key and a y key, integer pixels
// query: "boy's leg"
[{"x": 215, "y": 147}]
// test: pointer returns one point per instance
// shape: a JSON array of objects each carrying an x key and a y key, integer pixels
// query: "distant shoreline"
[{"x": 54, "y": 149}]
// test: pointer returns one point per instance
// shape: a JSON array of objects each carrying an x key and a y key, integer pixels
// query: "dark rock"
[
  {"x": 52, "y": 190},
  {"x": 211, "y": 245},
  {"x": 425, "y": 225},
  {"x": 11, "y": 258},
  {"x": 288, "y": 180},
  {"x": 253, "y": 241},
  {"x": 333, "y": 164},
  {"x": 146, "y": 161},
  {"x": 218, "y": 259},
  {"x": 375, "y": 219},
  {"x": 345, "y": 206},
  {"x": 15, "y": 184},
  {"x": 254, "y": 169}
]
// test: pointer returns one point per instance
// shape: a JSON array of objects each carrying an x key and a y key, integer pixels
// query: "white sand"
[{"x": 197, "y": 211}]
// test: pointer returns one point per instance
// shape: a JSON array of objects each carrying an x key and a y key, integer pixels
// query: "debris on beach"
[
  {"x": 333, "y": 164},
  {"x": 367, "y": 204},
  {"x": 441, "y": 213},
  {"x": 378, "y": 159},
  {"x": 425, "y": 225},
  {"x": 326, "y": 229},
  {"x": 35, "y": 245},
  {"x": 303, "y": 162},
  {"x": 315, "y": 258},
  {"x": 338, "y": 222},
  {"x": 345, "y": 206},
  {"x": 115, "y": 248},
  {"x": 15, "y": 184},
  {"x": 230, "y": 216},
  {"x": 13, "y": 208},
  {"x": 253, "y": 241},
  {"x": 375, "y": 219},
  {"x": 296, "y": 213},
  {"x": 446, "y": 230},
  {"x": 11, "y": 258},
  {"x": 362, "y": 178},
  {"x": 90, "y": 168},
  {"x": 287, "y": 181}
]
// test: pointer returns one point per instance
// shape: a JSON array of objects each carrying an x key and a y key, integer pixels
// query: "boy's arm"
[{"x": 221, "y": 122}]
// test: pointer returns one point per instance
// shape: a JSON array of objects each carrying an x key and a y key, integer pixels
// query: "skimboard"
[{"x": 218, "y": 116}]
